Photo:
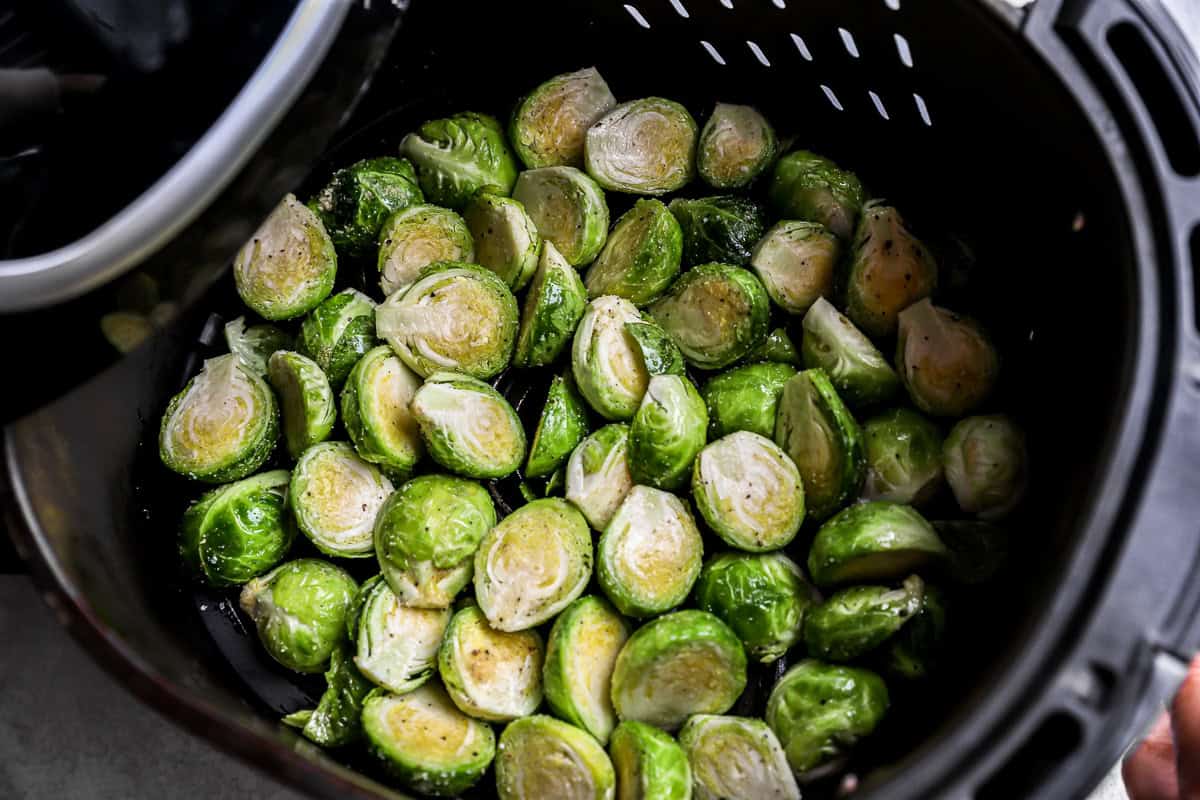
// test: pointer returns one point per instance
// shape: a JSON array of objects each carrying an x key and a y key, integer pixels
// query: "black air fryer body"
[{"x": 1060, "y": 144}]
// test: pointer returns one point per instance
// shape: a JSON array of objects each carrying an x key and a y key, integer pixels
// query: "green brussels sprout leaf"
[
  {"x": 459, "y": 155},
  {"x": 719, "y": 229},
  {"x": 553, "y": 307}
]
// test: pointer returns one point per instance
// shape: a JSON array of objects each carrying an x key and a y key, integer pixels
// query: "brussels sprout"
[
  {"x": 562, "y": 426},
  {"x": 904, "y": 458},
  {"x": 506, "y": 239},
  {"x": 986, "y": 465},
  {"x": 806, "y": 186},
  {"x": 659, "y": 353},
  {"x": 568, "y": 209},
  {"x": 978, "y": 550},
  {"x": 426, "y": 534},
  {"x": 946, "y": 361},
  {"x": 777, "y": 348},
  {"x": 459, "y": 155},
  {"x": 580, "y": 655},
  {"x": 306, "y": 399},
  {"x": 650, "y": 765},
  {"x": 468, "y": 427},
  {"x": 913, "y": 652},
  {"x": 376, "y": 413},
  {"x": 354, "y": 612},
  {"x": 855, "y": 621},
  {"x": 857, "y": 369},
  {"x": 490, "y": 674},
  {"x": 553, "y": 307},
  {"x": 820, "y": 435},
  {"x": 872, "y": 541},
  {"x": 598, "y": 476},
  {"x": 722, "y": 228},
  {"x": 126, "y": 330},
  {"x": 222, "y": 426},
  {"x": 749, "y": 492},
  {"x": 299, "y": 609},
  {"x": 796, "y": 262},
  {"x": 543, "y": 757},
  {"x": 715, "y": 313},
  {"x": 640, "y": 257},
  {"x": 338, "y": 332},
  {"x": 650, "y": 553},
  {"x": 606, "y": 360},
  {"x": 736, "y": 757},
  {"x": 549, "y": 124},
  {"x": 682, "y": 663},
  {"x": 456, "y": 317},
  {"x": 358, "y": 198},
  {"x": 336, "y": 721},
  {"x": 425, "y": 742},
  {"x": 237, "y": 531},
  {"x": 397, "y": 646},
  {"x": 412, "y": 239},
  {"x": 762, "y": 597},
  {"x": 667, "y": 432},
  {"x": 254, "y": 345},
  {"x": 289, "y": 264},
  {"x": 890, "y": 270},
  {"x": 745, "y": 399},
  {"x": 642, "y": 147},
  {"x": 736, "y": 145},
  {"x": 335, "y": 496},
  {"x": 533, "y": 564},
  {"x": 819, "y": 711}
]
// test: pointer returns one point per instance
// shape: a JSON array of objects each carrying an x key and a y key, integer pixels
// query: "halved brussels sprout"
[
  {"x": 889, "y": 272},
  {"x": 254, "y": 345},
  {"x": 667, "y": 432},
  {"x": 337, "y": 719},
  {"x": 426, "y": 743},
  {"x": 560, "y": 429},
  {"x": 541, "y": 757},
  {"x": 456, "y": 317},
  {"x": 946, "y": 361},
  {"x": 549, "y": 124},
  {"x": 649, "y": 555},
  {"x": 855, "y": 621},
  {"x": 659, "y": 353},
  {"x": 749, "y": 492},
  {"x": 857, "y": 369},
  {"x": 715, "y": 313},
  {"x": 568, "y": 209},
  {"x": 598, "y": 476},
  {"x": 986, "y": 465},
  {"x": 722, "y": 228},
  {"x": 806, "y": 186},
  {"x": 736, "y": 757},
  {"x": 904, "y": 457},
  {"x": 641, "y": 255},
  {"x": 606, "y": 360},
  {"x": 643, "y": 147},
  {"x": 335, "y": 496},
  {"x": 912, "y": 654},
  {"x": 533, "y": 564},
  {"x": 299, "y": 609},
  {"x": 338, "y": 332},
  {"x": 222, "y": 426},
  {"x": 289, "y": 264},
  {"x": 376, "y": 413},
  {"x": 468, "y": 427},
  {"x": 873, "y": 541},
  {"x": 763, "y": 597},
  {"x": 778, "y": 348},
  {"x": 820, "y": 435},
  {"x": 397, "y": 646},
  {"x": 490, "y": 674},
  {"x": 682, "y": 663},
  {"x": 426, "y": 534},
  {"x": 745, "y": 399},
  {"x": 237, "y": 531},
  {"x": 459, "y": 155},
  {"x": 553, "y": 307},
  {"x": 819, "y": 711},
  {"x": 580, "y": 655},
  {"x": 506, "y": 239},
  {"x": 650, "y": 765},
  {"x": 358, "y": 198},
  {"x": 126, "y": 330},
  {"x": 978, "y": 550},
  {"x": 412, "y": 239},
  {"x": 306, "y": 400},
  {"x": 796, "y": 262},
  {"x": 736, "y": 145}
]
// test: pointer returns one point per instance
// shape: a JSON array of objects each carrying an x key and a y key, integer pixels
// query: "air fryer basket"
[{"x": 1030, "y": 137}]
